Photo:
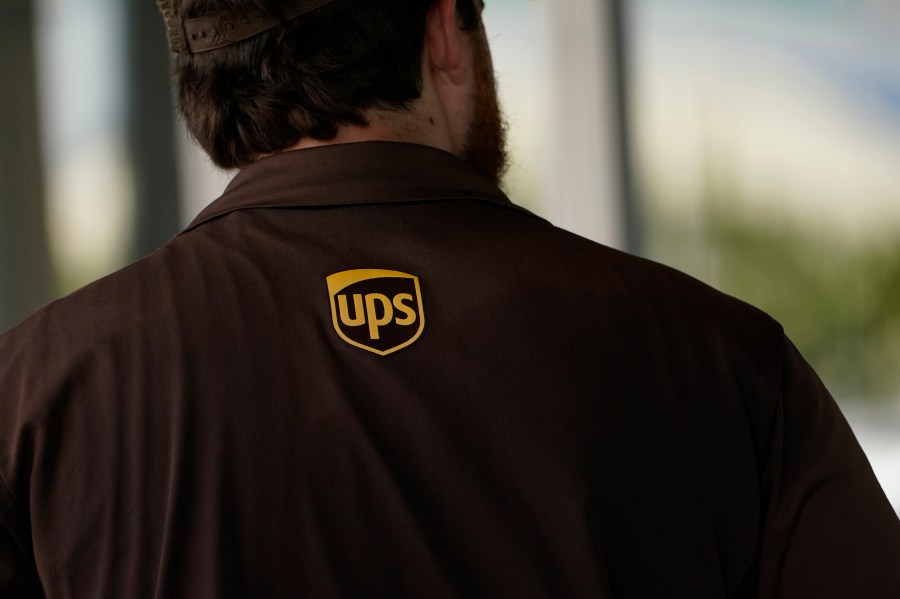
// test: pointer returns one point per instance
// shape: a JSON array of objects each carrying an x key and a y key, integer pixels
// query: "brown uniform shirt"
[{"x": 364, "y": 372}]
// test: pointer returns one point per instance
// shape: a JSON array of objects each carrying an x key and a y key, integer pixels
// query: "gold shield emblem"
[{"x": 377, "y": 310}]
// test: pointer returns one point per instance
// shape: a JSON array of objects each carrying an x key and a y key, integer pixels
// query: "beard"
[{"x": 485, "y": 143}]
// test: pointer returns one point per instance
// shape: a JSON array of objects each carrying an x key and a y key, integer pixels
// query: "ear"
[{"x": 443, "y": 38}]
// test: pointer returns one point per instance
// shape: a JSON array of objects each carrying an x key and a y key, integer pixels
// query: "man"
[{"x": 364, "y": 372}]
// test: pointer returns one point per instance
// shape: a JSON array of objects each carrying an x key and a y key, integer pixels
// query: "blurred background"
[{"x": 754, "y": 144}]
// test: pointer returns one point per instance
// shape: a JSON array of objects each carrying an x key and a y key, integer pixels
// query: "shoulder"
[
  {"x": 655, "y": 295},
  {"x": 96, "y": 324}
]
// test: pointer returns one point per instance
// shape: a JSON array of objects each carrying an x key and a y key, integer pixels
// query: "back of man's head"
[{"x": 303, "y": 78}]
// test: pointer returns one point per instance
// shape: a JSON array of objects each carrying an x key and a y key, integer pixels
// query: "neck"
[{"x": 418, "y": 125}]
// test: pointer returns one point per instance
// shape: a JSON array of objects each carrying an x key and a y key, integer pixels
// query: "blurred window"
[
  {"x": 766, "y": 153},
  {"x": 81, "y": 50},
  {"x": 767, "y": 145}
]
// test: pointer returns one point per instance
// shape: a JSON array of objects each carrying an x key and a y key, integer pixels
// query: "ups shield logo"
[{"x": 377, "y": 310}]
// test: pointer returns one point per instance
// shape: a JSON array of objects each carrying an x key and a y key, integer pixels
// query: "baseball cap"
[{"x": 218, "y": 30}]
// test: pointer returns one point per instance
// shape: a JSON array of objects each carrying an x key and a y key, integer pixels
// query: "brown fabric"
[{"x": 571, "y": 422}]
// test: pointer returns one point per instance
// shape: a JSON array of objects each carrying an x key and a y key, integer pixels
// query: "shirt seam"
[
  {"x": 17, "y": 504},
  {"x": 367, "y": 202}
]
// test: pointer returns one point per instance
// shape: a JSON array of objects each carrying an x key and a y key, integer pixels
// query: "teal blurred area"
[{"x": 754, "y": 144}]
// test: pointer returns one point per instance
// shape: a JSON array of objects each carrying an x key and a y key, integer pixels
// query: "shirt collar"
[{"x": 376, "y": 172}]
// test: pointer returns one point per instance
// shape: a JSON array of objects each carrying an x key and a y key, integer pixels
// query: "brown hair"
[{"x": 304, "y": 78}]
